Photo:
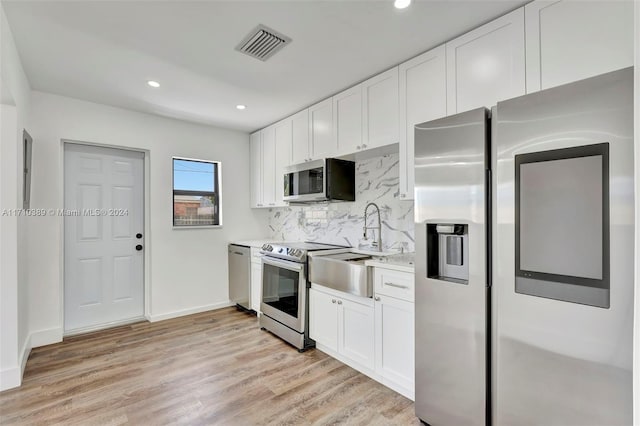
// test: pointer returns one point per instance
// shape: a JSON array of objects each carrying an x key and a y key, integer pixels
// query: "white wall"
[
  {"x": 15, "y": 99},
  {"x": 188, "y": 268}
]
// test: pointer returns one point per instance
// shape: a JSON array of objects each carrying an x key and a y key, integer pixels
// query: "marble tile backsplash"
[{"x": 342, "y": 222}]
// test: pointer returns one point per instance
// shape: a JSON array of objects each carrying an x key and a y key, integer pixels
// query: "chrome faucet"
[{"x": 379, "y": 227}]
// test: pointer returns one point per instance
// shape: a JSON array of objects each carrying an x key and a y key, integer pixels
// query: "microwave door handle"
[{"x": 298, "y": 267}]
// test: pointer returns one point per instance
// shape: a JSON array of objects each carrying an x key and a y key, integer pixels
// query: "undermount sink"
[{"x": 343, "y": 272}]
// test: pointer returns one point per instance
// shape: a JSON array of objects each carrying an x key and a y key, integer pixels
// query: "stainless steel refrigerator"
[{"x": 525, "y": 257}]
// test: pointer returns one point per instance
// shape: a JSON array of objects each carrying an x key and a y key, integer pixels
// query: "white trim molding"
[
  {"x": 46, "y": 337},
  {"x": 10, "y": 378},
  {"x": 190, "y": 311}
]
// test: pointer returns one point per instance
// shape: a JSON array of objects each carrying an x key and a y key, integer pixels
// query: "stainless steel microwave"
[{"x": 329, "y": 179}]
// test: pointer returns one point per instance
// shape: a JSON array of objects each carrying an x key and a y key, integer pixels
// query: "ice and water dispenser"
[{"x": 448, "y": 252}]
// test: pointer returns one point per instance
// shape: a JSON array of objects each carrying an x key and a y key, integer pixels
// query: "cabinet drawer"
[{"x": 394, "y": 283}]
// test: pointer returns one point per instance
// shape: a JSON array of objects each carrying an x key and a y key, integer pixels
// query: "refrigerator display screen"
[{"x": 562, "y": 220}]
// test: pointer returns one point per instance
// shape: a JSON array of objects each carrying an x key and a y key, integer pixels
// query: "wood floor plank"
[{"x": 215, "y": 367}]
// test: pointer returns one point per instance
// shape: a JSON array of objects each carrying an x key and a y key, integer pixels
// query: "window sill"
[{"x": 181, "y": 227}]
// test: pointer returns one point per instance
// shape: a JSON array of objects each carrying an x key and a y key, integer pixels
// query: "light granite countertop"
[
  {"x": 397, "y": 262},
  {"x": 253, "y": 243}
]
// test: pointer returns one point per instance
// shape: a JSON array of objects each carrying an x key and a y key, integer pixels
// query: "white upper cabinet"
[
  {"x": 380, "y": 110},
  {"x": 255, "y": 147},
  {"x": 300, "y": 135},
  {"x": 321, "y": 138},
  {"x": 573, "y": 40},
  {"x": 347, "y": 120},
  {"x": 270, "y": 153},
  {"x": 487, "y": 65},
  {"x": 283, "y": 142},
  {"x": 423, "y": 97},
  {"x": 269, "y": 166}
]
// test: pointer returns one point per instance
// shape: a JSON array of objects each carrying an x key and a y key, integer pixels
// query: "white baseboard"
[
  {"x": 104, "y": 326},
  {"x": 10, "y": 378},
  {"x": 190, "y": 311},
  {"x": 24, "y": 355},
  {"x": 46, "y": 337}
]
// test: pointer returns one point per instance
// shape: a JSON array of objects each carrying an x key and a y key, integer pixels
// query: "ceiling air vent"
[{"x": 262, "y": 43}]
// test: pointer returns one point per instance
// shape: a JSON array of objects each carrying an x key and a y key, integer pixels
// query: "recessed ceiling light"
[
  {"x": 241, "y": 107},
  {"x": 401, "y": 4},
  {"x": 153, "y": 83}
]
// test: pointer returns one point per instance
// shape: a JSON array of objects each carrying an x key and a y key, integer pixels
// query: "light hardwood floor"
[{"x": 211, "y": 368}]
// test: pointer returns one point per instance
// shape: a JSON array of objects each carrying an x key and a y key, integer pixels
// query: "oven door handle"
[{"x": 292, "y": 266}]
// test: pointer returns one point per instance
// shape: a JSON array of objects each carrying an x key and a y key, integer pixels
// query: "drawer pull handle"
[{"x": 397, "y": 285}]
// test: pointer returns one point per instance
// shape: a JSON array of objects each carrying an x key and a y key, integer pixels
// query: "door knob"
[
  {"x": 138, "y": 235},
  {"x": 139, "y": 247}
]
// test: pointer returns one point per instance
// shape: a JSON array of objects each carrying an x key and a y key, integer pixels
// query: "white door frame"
[{"x": 147, "y": 234}]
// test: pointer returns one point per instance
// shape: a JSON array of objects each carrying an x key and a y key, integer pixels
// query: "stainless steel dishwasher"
[{"x": 240, "y": 275}]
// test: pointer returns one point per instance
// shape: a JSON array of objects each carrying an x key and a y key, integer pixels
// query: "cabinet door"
[
  {"x": 395, "y": 341},
  {"x": 355, "y": 332},
  {"x": 256, "y": 286},
  {"x": 300, "y": 135},
  {"x": 269, "y": 166},
  {"x": 487, "y": 65},
  {"x": 347, "y": 120},
  {"x": 283, "y": 136},
  {"x": 569, "y": 40},
  {"x": 380, "y": 108},
  {"x": 322, "y": 142},
  {"x": 255, "y": 146},
  {"x": 423, "y": 97},
  {"x": 323, "y": 319}
]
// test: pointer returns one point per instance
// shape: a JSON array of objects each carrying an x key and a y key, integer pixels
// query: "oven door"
[{"x": 284, "y": 292}]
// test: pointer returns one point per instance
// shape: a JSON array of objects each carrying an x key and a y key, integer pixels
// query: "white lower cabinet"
[
  {"x": 323, "y": 319},
  {"x": 395, "y": 351},
  {"x": 355, "y": 332},
  {"x": 342, "y": 325},
  {"x": 374, "y": 336}
]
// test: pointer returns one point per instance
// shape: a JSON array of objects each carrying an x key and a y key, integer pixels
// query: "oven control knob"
[
  {"x": 297, "y": 252},
  {"x": 267, "y": 247}
]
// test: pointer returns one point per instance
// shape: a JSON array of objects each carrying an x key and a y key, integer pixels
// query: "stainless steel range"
[{"x": 285, "y": 301}]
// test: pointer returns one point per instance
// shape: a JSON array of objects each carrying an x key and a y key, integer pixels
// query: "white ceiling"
[{"x": 105, "y": 51}]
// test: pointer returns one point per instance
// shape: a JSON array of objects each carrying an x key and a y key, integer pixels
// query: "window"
[{"x": 196, "y": 193}]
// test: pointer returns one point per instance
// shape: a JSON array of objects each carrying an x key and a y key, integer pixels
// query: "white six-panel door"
[{"x": 104, "y": 222}]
